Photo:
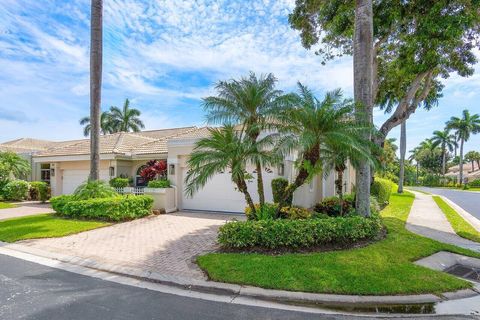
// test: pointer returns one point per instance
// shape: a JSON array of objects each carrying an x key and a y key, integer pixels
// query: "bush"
[
  {"x": 93, "y": 190},
  {"x": 118, "y": 208},
  {"x": 294, "y": 213},
  {"x": 163, "y": 183},
  {"x": 474, "y": 184},
  {"x": 15, "y": 190},
  {"x": 382, "y": 189},
  {"x": 39, "y": 190},
  {"x": 119, "y": 182},
  {"x": 331, "y": 205},
  {"x": 278, "y": 187},
  {"x": 265, "y": 213},
  {"x": 306, "y": 233}
]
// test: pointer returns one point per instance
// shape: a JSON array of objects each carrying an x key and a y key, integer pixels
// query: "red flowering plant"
[{"x": 153, "y": 169}]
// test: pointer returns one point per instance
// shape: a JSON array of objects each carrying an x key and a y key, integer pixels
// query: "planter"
[{"x": 163, "y": 198}]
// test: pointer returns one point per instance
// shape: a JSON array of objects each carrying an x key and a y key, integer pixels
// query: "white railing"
[{"x": 131, "y": 190}]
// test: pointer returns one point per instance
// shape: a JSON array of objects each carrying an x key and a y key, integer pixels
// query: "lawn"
[
  {"x": 382, "y": 268},
  {"x": 4, "y": 205},
  {"x": 461, "y": 227},
  {"x": 43, "y": 226}
]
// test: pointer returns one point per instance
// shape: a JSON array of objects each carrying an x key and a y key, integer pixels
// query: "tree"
[
  {"x": 403, "y": 151},
  {"x": 465, "y": 127},
  {"x": 96, "y": 44},
  {"x": 429, "y": 156},
  {"x": 447, "y": 142},
  {"x": 253, "y": 103},
  {"x": 472, "y": 157},
  {"x": 412, "y": 49},
  {"x": 154, "y": 169},
  {"x": 13, "y": 164},
  {"x": 311, "y": 128},
  {"x": 106, "y": 125},
  {"x": 126, "y": 119}
]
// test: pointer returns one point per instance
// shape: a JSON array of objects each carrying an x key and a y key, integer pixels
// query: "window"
[
  {"x": 45, "y": 172},
  {"x": 171, "y": 169},
  {"x": 281, "y": 169}
]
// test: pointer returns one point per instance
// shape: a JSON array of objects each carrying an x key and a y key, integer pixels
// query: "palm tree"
[
  {"x": 96, "y": 44},
  {"x": 446, "y": 141},
  {"x": 415, "y": 155},
  {"x": 465, "y": 126},
  {"x": 311, "y": 127},
  {"x": 250, "y": 102},
  {"x": 226, "y": 150},
  {"x": 14, "y": 164},
  {"x": 472, "y": 157},
  {"x": 126, "y": 119},
  {"x": 403, "y": 150},
  {"x": 363, "y": 91},
  {"x": 106, "y": 125}
]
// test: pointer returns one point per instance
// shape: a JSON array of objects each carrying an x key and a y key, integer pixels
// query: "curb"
[
  {"x": 235, "y": 290},
  {"x": 473, "y": 221}
]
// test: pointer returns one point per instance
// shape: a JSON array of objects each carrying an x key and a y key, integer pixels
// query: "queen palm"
[
  {"x": 446, "y": 141},
  {"x": 14, "y": 164},
  {"x": 464, "y": 126},
  {"x": 106, "y": 125},
  {"x": 313, "y": 128},
  {"x": 127, "y": 118},
  {"x": 252, "y": 102}
]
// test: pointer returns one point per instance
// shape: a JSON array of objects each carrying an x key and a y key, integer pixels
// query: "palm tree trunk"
[
  {"x": 363, "y": 83},
  {"x": 416, "y": 175},
  {"x": 261, "y": 191},
  {"x": 242, "y": 186},
  {"x": 403, "y": 151},
  {"x": 339, "y": 186},
  {"x": 95, "y": 85},
  {"x": 461, "y": 161},
  {"x": 444, "y": 160}
]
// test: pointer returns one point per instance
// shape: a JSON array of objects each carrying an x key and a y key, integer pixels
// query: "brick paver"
[
  {"x": 25, "y": 209},
  {"x": 166, "y": 244}
]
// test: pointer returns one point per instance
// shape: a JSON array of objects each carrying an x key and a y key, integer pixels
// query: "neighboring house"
[
  {"x": 468, "y": 174},
  {"x": 126, "y": 154}
]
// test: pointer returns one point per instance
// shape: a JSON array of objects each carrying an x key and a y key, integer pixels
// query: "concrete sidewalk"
[
  {"x": 25, "y": 209},
  {"x": 428, "y": 220}
]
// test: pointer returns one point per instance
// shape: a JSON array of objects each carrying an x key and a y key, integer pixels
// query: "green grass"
[
  {"x": 43, "y": 226},
  {"x": 383, "y": 268},
  {"x": 4, "y": 205},
  {"x": 461, "y": 227}
]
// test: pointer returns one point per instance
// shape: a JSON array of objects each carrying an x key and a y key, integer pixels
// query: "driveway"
[
  {"x": 25, "y": 209},
  {"x": 167, "y": 244},
  {"x": 468, "y": 200}
]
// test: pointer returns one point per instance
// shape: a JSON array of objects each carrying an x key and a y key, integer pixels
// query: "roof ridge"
[{"x": 118, "y": 142}]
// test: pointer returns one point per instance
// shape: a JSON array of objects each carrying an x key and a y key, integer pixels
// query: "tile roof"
[{"x": 26, "y": 145}]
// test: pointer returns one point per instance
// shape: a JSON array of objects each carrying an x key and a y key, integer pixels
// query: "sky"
[{"x": 165, "y": 56}]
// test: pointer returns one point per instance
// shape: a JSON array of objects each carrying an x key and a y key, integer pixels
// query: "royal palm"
[
  {"x": 126, "y": 119},
  {"x": 446, "y": 141}
]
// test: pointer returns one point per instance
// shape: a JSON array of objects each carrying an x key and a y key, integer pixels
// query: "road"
[{"x": 468, "y": 200}]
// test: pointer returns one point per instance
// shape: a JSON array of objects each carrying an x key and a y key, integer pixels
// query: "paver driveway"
[
  {"x": 166, "y": 244},
  {"x": 25, "y": 209}
]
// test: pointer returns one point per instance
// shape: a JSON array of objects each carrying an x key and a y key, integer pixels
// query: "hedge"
[
  {"x": 475, "y": 183},
  {"x": 306, "y": 233},
  {"x": 382, "y": 189},
  {"x": 163, "y": 183},
  {"x": 39, "y": 190},
  {"x": 119, "y": 182},
  {"x": 15, "y": 190},
  {"x": 118, "y": 208}
]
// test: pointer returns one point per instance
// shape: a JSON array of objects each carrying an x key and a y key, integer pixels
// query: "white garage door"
[
  {"x": 73, "y": 178},
  {"x": 220, "y": 194}
]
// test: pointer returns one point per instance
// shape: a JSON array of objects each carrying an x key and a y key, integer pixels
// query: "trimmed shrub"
[
  {"x": 94, "y": 189},
  {"x": 119, "y": 208},
  {"x": 294, "y": 213},
  {"x": 474, "y": 184},
  {"x": 163, "y": 183},
  {"x": 265, "y": 213},
  {"x": 39, "y": 190},
  {"x": 278, "y": 187},
  {"x": 331, "y": 205},
  {"x": 59, "y": 202},
  {"x": 306, "y": 233},
  {"x": 382, "y": 189},
  {"x": 15, "y": 190},
  {"x": 119, "y": 182}
]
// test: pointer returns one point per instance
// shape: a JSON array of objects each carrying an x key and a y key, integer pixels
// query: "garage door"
[
  {"x": 220, "y": 194},
  {"x": 73, "y": 178}
]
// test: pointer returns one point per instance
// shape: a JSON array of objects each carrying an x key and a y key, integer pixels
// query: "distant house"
[
  {"x": 469, "y": 173},
  {"x": 126, "y": 154}
]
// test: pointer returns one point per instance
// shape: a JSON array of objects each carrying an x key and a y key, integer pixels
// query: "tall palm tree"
[
  {"x": 472, "y": 157},
  {"x": 127, "y": 118},
  {"x": 415, "y": 155},
  {"x": 447, "y": 142},
  {"x": 106, "y": 125},
  {"x": 363, "y": 91},
  {"x": 96, "y": 44},
  {"x": 403, "y": 150},
  {"x": 14, "y": 164},
  {"x": 226, "y": 150},
  {"x": 465, "y": 126},
  {"x": 252, "y": 102},
  {"x": 311, "y": 127}
]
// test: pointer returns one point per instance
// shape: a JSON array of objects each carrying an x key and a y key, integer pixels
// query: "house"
[
  {"x": 127, "y": 153},
  {"x": 471, "y": 171}
]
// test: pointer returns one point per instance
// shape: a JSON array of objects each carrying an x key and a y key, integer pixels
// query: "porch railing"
[{"x": 131, "y": 190}]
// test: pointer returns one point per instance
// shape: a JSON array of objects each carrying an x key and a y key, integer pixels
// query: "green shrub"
[
  {"x": 59, "y": 202},
  {"x": 474, "y": 184},
  {"x": 331, "y": 205},
  {"x": 163, "y": 183},
  {"x": 93, "y": 190},
  {"x": 39, "y": 190},
  {"x": 294, "y": 213},
  {"x": 119, "y": 182},
  {"x": 118, "y": 208},
  {"x": 265, "y": 213},
  {"x": 305, "y": 233},
  {"x": 278, "y": 187},
  {"x": 15, "y": 190},
  {"x": 382, "y": 189}
]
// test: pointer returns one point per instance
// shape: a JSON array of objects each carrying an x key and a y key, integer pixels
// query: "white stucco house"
[{"x": 125, "y": 154}]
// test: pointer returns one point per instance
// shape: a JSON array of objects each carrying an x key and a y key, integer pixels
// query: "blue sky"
[{"x": 165, "y": 55}]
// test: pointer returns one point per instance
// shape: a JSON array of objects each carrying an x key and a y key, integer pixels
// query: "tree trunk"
[
  {"x": 473, "y": 165},
  {"x": 403, "y": 151},
  {"x": 242, "y": 186},
  {"x": 461, "y": 161},
  {"x": 363, "y": 85},
  {"x": 444, "y": 160},
  {"x": 339, "y": 186},
  {"x": 261, "y": 192},
  {"x": 95, "y": 85}
]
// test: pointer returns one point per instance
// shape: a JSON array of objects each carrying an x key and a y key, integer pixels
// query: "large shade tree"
[
  {"x": 465, "y": 126},
  {"x": 126, "y": 119}
]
